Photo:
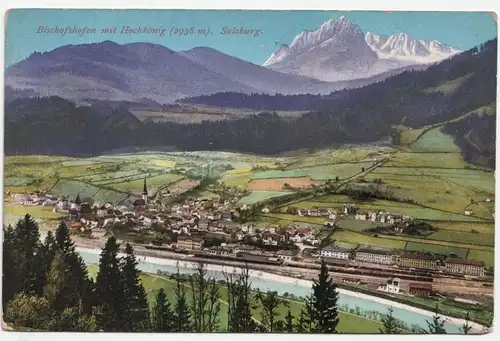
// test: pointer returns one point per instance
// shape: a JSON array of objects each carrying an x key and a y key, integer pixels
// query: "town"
[{"x": 207, "y": 228}]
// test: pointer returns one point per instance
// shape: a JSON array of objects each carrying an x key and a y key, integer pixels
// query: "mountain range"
[
  {"x": 335, "y": 56},
  {"x": 140, "y": 71},
  {"x": 339, "y": 51}
]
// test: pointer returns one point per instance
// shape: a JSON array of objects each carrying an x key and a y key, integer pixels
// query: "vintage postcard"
[{"x": 178, "y": 171}]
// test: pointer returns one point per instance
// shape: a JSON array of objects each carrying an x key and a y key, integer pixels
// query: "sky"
[{"x": 462, "y": 30}]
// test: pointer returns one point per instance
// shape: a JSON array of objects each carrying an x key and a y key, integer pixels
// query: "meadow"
[{"x": 349, "y": 323}]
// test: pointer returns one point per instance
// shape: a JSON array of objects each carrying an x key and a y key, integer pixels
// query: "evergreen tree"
[
  {"x": 136, "y": 304},
  {"x": 67, "y": 281},
  {"x": 390, "y": 323},
  {"x": 270, "y": 303},
  {"x": 161, "y": 314},
  {"x": 205, "y": 305},
  {"x": 466, "y": 328},
  {"x": 289, "y": 327},
  {"x": 305, "y": 323},
  {"x": 240, "y": 303},
  {"x": 9, "y": 265},
  {"x": 324, "y": 302},
  {"x": 47, "y": 253},
  {"x": 436, "y": 326},
  {"x": 26, "y": 247},
  {"x": 181, "y": 314},
  {"x": 110, "y": 290}
]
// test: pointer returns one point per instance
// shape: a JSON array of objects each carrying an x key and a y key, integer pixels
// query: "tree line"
[{"x": 47, "y": 286}]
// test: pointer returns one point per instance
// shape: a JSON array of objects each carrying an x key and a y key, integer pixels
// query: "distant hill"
[
  {"x": 138, "y": 71},
  {"x": 440, "y": 93}
]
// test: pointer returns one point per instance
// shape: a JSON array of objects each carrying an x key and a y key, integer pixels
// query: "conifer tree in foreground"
[
  {"x": 9, "y": 287},
  {"x": 26, "y": 248},
  {"x": 324, "y": 302},
  {"x": 67, "y": 280},
  {"x": 436, "y": 326},
  {"x": 161, "y": 314},
  {"x": 289, "y": 327},
  {"x": 109, "y": 290},
  {"x": 466, "y": 328},
  {"x": 136, "y": 314},
  {"x": 270, "y": 302},
  {"x": 305, "y": 322},
  {"x": 205, "y": 306},
  {"x": 240, "y": 305},
  {"x": 181, "y": 313},
  {"x": 390, "y": 323}
]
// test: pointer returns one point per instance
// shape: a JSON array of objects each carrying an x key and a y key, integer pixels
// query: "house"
[
  {"x": 372, "y": 216},
  {"x": 265, "y": 210},
  {"x": 349, "y": 209},
  {"x": 417, "y": 261},
  {"x": 335, "y": 252},
  {"x": 219, "y": 251},
  {"x": 194, "y": 242},
  {"x": 420, "y": 289},
  {"x": 392, "y": 286},
  {"x": 465, "y": 266},
  {"x": 329, "y": 224},
  {"x": 313, "y": 212},
  {"x": 468, "y": 212},
  {"x": 374, "y": 255},
  {"x": 285, "y": 255},
  {"x": 361, "y": 215}
]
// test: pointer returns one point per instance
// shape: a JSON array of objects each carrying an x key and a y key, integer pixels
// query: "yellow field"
[
  {"x": 239, "y": 170},
  {"x": 40, "y": 212}
]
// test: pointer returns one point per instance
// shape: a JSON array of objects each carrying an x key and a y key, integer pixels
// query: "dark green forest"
[{"x": 57, "y": 126}]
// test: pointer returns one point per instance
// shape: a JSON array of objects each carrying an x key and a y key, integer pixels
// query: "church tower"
[
  {"x": 145, "y": 193},
  {"x": 78, "y": 202}
]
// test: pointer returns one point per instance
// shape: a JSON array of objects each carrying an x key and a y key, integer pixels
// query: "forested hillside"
[{"x": 444, "y": 91}]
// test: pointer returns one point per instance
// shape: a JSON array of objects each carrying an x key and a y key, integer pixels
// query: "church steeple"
[
  {"x": 145, "y": 192},
  {"x": 78, "y": 201}
]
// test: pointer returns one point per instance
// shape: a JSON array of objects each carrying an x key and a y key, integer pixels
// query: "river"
[{"x": 265, "y": 281}]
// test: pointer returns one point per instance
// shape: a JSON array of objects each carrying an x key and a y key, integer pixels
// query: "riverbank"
[{"x": 189, "y": 265}]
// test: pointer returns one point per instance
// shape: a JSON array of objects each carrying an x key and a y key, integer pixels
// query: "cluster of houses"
[
  {"x": 190, "y": 221},
  {"x": 410, "y": 260},
  {"x": 352, "y": 210}
]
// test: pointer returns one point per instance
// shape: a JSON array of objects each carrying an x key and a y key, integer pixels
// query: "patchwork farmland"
[{"x": 432, "y": 185}]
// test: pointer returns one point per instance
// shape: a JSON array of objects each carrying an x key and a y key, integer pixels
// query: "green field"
[
  {"x": 435, "y": 141},
  {"x": 463, "y": 237},
  {"x": 136, "y": 186},
  {"x": 488, "y": 257},
  {"x": 420, "y": 247},
  {"x": 349, "y": 323},
  {"x": 357, "y": 225},
  {"x": 407, "y": 159},
  {"x": 257, "y": 196},
  {"x": 320, "y": 172},
  {"x": 294, "y": 217},
  {"x": 358, "y": 238},
  {"x": 465, "y": 227}
]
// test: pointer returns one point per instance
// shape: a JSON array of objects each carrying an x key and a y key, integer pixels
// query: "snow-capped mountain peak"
[
  {"x": 340, "y": 29},
  {"x": 338, "y": 50},
  {"x": 403, "y": 47}
]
